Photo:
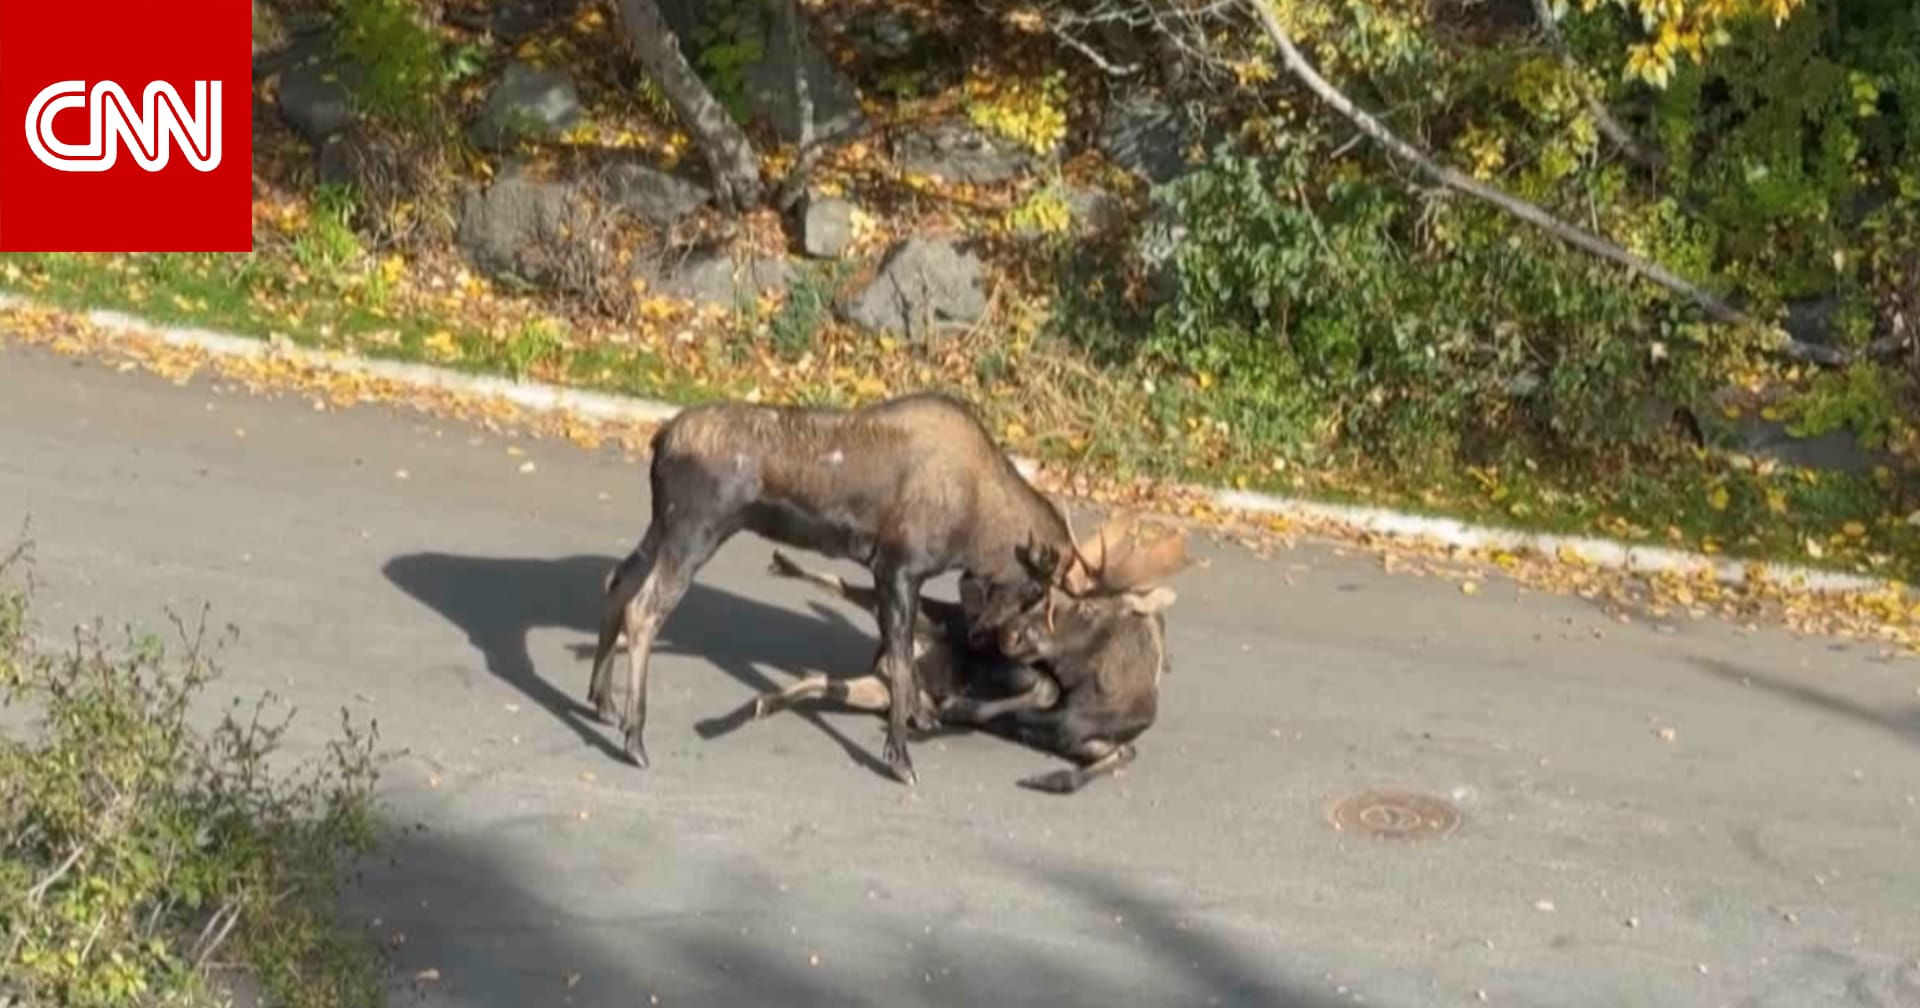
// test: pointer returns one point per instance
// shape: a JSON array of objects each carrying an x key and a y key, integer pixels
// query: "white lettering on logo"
[{"x": 149, "y": 131}]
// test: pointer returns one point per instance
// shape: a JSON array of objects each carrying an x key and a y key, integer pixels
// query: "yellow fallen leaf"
[
  {"x": 1718, "y": 498},
  {"x": 1470, "y": 588},
  {"x": 441, "y": 345},
  {"x": 1854, "y": 529}
]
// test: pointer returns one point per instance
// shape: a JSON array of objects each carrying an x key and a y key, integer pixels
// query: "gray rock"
[
  {"x": 1147, "y": 137},
  {"x": 308, "y": 37},
  {"x": 1834, "y": 451},
  {"x": 1094, "y": 209},
  {"x": 714, "y": 278},
  {"x": 314, "y": 96},
  {"x": 887, "y": 33},
  {"x": 954, "y": 150},
  {"x": 512, "y": 20},
  {"x": 342, "y": 159},
  {"x": 771, "y": 93},
  {"x": 826, "y": 227},
  {"x": 659, "y": 198},
  {"x": 501, "y": 224},
  {"x": 527, "y": 101},
  {"x": 924, "y": 287}
]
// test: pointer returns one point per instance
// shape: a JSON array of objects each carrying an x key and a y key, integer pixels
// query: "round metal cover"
[{"x": 1399, "y": 815}]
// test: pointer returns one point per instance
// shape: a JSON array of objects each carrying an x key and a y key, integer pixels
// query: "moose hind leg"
[
  {"x": 679, "y": 558},
  {"x": 866, "y": 693},
  {"x": 1099, "y": 758},
  {"x": 622, "y": 584}
]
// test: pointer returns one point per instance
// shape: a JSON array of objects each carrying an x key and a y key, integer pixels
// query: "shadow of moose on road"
[{"x": 499, "y": 601}]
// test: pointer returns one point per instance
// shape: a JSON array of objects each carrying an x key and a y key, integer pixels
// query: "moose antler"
[{"x": 1117, "y": 562}]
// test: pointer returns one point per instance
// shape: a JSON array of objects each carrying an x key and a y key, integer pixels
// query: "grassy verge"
[
  {"x": 1043, "y": 398},
  {"x": 143, "y": 861}
]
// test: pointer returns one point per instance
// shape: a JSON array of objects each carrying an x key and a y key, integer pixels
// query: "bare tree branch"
[
  {"x": 1611, "y": 128},
  {"x": 1093, "y": 56}
]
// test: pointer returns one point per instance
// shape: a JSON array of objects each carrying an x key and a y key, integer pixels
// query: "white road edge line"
[{"x": 544, "y": 398}]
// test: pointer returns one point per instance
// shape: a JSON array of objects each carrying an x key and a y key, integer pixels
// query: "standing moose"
[{"x": 910, "y": 488}]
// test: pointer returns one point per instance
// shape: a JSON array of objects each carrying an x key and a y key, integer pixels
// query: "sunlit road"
[{"x": 1763, "y": 851}]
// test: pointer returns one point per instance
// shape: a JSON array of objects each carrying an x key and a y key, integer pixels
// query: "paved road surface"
[{"x": 1767, "y": 855}]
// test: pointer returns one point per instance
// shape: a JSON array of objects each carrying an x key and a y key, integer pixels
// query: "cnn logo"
[
  {"x": 149, "y": 131},
  {"x": 126, "y": 126}
]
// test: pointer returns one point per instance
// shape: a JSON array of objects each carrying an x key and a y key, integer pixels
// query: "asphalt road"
[{"x": 1764, "y": 854}]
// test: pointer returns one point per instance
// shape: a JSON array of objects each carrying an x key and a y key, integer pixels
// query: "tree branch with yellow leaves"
[{"x": 1297, "y": 65}]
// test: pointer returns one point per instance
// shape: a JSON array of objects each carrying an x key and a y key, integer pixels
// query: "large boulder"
[
  {"x": 314, "y": 93},
  {"x": 1147, "y": 137},
  {"x": 715, "y": 278},
  {"x": 660, "y": 198},
  {"x": 1834, "y": 451},
  {"x": 925, "y": 287},
  {"x": 526, "y": 102},
  {"x": 503, "y": 226},
  {"x": 954, "y": 150}
]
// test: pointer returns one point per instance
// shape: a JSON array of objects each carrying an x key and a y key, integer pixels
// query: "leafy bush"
[
  {"x": 139, "y": 856},
  {"x": 406, "y": 68},
  {"x": 1325, "y": 308}
]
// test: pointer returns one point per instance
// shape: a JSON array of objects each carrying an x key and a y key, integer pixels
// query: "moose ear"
[
  {"x": 1040, "y": 559},
  {"x": 1149, "y": 602}
]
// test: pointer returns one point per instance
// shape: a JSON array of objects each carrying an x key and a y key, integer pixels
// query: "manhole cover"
[{"x": 1396, "y": 814}]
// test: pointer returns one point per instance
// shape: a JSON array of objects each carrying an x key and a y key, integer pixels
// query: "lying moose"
[{"x": 1084, "y": 689}]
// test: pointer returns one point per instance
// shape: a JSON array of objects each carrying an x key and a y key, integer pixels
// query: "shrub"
[{"x": 139, "y": 856}]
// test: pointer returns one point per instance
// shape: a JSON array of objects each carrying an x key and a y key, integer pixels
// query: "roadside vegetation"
[
  {"x": 146, "y": 860},
  {"x": 1193, "y": 262}
]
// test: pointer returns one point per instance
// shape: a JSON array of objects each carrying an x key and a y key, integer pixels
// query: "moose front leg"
[{"x": 899, "y": 600}]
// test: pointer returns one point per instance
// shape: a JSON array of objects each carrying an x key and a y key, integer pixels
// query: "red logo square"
[{"x": 126, "y": 126}]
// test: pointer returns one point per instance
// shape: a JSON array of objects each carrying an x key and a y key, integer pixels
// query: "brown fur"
[
  {"x": 1084, "y": 690},
  {"x": 910, "y": 488}
]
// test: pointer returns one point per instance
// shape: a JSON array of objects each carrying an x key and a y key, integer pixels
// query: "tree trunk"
[{"x": 728, "y": 152}]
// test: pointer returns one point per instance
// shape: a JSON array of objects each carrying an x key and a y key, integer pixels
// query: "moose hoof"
[
  {"x": 636, "y": 750},
  {"x": 1056, "y": 782},
  {"x": 900, "y": 763}
]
